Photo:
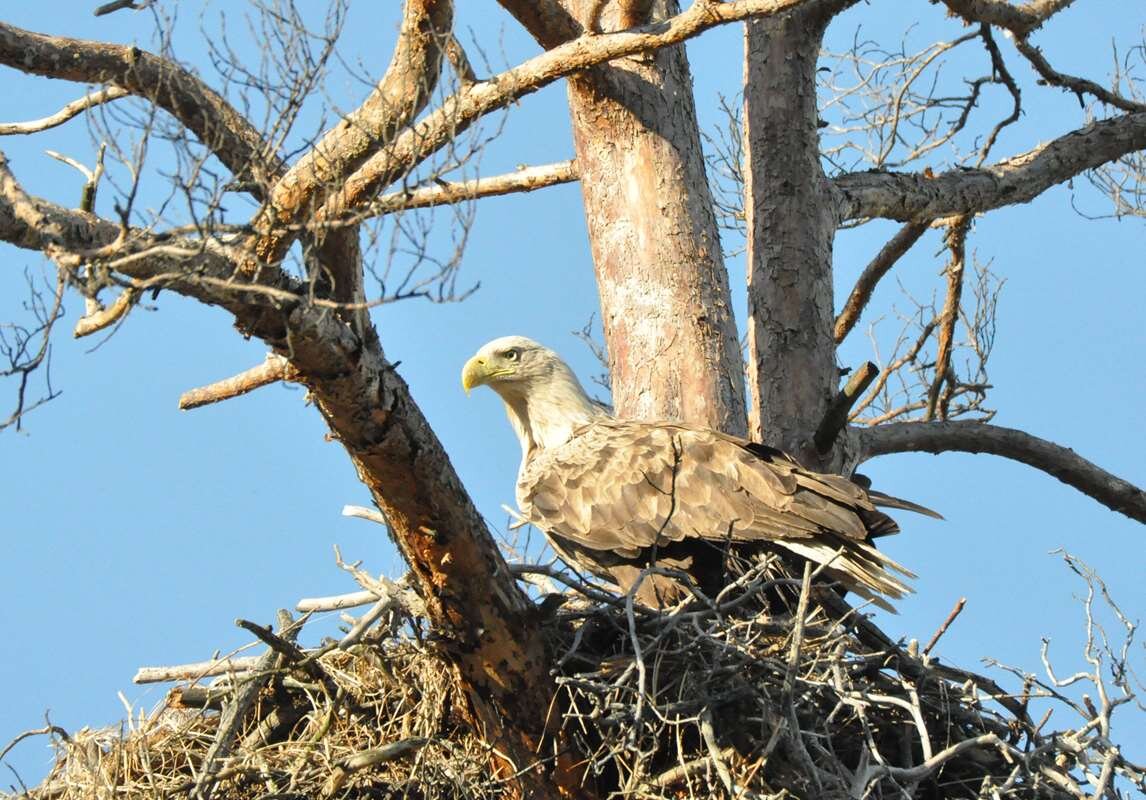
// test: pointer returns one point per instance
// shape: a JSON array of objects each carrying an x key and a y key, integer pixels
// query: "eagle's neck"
[{"x": 544, "y": 413}]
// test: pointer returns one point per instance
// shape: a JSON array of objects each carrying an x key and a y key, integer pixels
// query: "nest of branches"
[{"x": 721, "y": 696}]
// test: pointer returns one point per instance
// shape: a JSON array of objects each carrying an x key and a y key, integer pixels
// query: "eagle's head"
[
  {"x": 543, "y": 397},
  {"x": 512, "y": 365}
]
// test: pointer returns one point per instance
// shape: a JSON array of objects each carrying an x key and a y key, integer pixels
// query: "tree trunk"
[
  {"x": 665, "y": 303},
  {"x": 792, "y": 371}
]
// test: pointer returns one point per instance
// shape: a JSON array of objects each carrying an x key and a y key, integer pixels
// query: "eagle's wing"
[{"x": 628, "y": 487}]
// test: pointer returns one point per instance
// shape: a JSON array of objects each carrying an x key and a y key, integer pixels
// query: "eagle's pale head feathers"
[{"x": 543, "y": 398}]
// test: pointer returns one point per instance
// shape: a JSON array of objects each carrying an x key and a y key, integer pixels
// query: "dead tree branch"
[
  {"x": 193, "y": 672},
  {"x": 68, "y": 112},
  {"x": 526, "y": 179},
  {"x": 1019, "y": 19},
  {"x": 956, "y": 241},
  {"x": 235, "y": 712},
  {"x": 465, "y": 106},
  {"x": 915, "y": 196},
  {"x": 216, "y": 124},
  {"x": 274, "y": 369},
  {"x": 974, "y": 437},
  {"x": 1071, "y": 83},
  {"x": 837, "y": 417},
  {"x": 401, "y": 94},
  {"x": 884, "y": 260},
  {"x": 103, "y": 318}
]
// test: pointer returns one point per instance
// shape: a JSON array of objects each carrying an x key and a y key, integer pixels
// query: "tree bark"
[
  {"x": 665, "y": 302},
  {"x": 792, "y": 373}
]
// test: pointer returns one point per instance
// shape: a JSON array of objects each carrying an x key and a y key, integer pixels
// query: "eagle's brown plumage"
[{"x": 614, "y": 496}]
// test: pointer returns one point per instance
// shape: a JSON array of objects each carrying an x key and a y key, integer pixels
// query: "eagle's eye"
[{"x": 512, "y": 354}]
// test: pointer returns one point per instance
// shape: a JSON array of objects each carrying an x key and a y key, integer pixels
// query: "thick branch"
[
  {"x": 914, "y": 196},
  {"x": 546, "y": 20},
  {"x": 526, "y": 179},
  {"x": 1018, "y": 19},
  {"x": 975, "y": 437},
  {"x": 222, "y": 129},
  {"x": 873, "y": 273}
]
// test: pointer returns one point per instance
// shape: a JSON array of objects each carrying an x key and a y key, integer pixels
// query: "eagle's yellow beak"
[
  {"x": 480, "y": 370},
  {"x": 474, "y": 373}
]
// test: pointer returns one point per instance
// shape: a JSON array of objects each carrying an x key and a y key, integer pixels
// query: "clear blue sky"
[{"x": 135, "y": 533}]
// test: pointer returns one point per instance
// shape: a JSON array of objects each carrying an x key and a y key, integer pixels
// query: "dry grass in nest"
[{"x": 715, "y": 698}]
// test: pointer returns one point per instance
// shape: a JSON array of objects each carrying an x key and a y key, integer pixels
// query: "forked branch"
[
  {"x": 459, "y": 111},
  {"x": 398, "y": 97}
]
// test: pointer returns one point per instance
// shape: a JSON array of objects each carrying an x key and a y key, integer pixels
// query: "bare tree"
[{"x": 827, "y": 140}]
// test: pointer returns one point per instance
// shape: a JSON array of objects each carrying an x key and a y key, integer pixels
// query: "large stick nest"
[{"x": 718, "y": 697}]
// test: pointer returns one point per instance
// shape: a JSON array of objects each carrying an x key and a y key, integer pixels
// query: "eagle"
[{"x": 616, "y": 496}]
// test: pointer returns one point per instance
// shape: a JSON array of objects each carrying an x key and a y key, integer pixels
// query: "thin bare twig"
[
  {"x": 955, "y": 612},
  {"x": 70, "y": 111}
]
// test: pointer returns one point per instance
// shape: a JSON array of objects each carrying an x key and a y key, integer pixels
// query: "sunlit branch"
[
  {"x": 956, "y": 241},
  {"x": 398, "y": 97},
  {"x": 274, "y": 369},
  {"x": 526, "y": 179},
  {"x": 1019, "y": 19},
  {"x": 101, "y": 318},
  {"x": 470, "y": 103},
  {"x": 70, "y": 111}
]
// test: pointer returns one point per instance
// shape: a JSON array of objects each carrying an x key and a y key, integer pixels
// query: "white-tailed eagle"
[{"x": 616, "y": 496}]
